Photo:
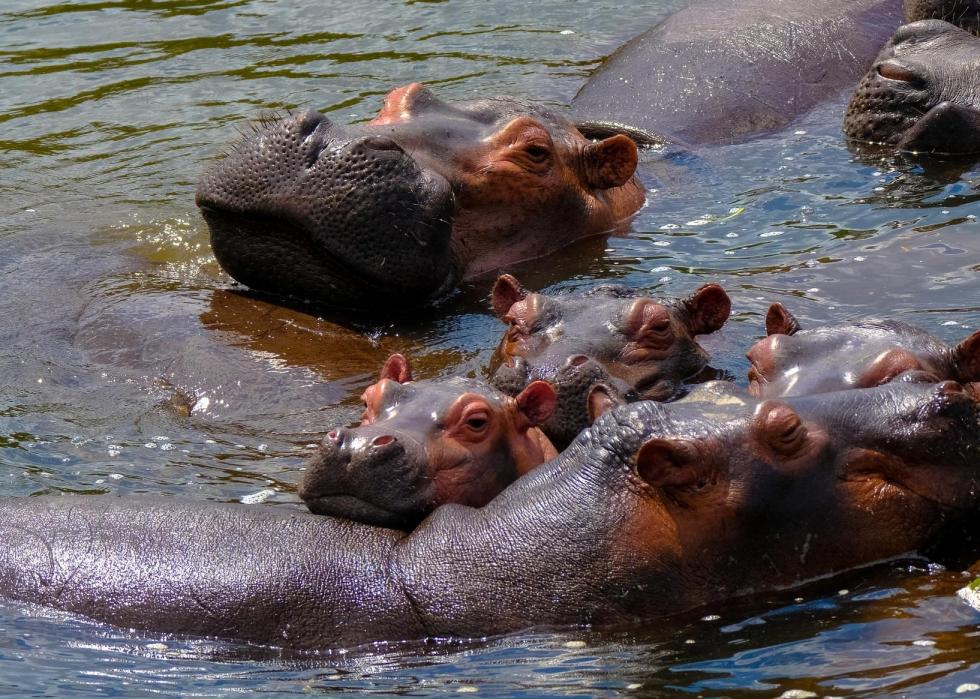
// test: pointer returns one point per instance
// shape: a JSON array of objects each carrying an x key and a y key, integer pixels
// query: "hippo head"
[
  {"x": 728, "y": 496},
  {"x": 607, "y": 346},
  {"x": 965, "y": 14},
  {"x": 403, "y": 207},
  {"x": 922, "y": 93},
  {"x": 790, "y": 362},
  {"x": 421, "y": 444}
]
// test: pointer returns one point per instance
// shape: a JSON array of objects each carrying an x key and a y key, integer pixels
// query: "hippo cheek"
[{"x": 306, "y": 210}]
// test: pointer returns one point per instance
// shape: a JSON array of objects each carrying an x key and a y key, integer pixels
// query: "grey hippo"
[{"x": 655, "y": 509}]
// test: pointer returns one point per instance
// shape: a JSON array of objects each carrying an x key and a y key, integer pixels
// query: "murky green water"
[{"x": 115, "y": 320}]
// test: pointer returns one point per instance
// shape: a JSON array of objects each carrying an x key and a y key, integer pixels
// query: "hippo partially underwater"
[{"x": 655, "y": 509}]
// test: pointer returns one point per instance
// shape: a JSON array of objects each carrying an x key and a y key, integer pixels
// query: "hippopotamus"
[
  {"x": 422, "y": 444},
  {"x": 792, "y": 362},
  {"x": 655, "y": 509},
  {"x": 922, "y": 93},
  {"x": 632, "y": 345},
  {"x": 719, "y": 71},
  {"x": 399, "y": 210}
]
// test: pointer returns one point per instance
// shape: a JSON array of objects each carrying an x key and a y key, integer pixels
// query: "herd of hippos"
[{"x": 589, "y": 482}]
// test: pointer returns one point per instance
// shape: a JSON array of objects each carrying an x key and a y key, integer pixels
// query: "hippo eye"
[
  {"x": 536, "y": 153},
  {"x": 477, "y": 422}
]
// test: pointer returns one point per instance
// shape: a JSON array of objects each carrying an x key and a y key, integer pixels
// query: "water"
[{"x": 128, "y": 364}]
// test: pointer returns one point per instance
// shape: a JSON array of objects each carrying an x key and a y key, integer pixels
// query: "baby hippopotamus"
[
  {"x": 794, "y": 362},
  {"x": 421, "y": 444},
  {"x": 635, "y": 346}
]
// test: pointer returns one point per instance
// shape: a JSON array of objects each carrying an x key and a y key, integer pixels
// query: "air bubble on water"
[
  {"x": 566, "y": 32},
  {"x": 731, "y": 235},
  {"x": 860, "y": 258},
  {"x": 950, "y": 322},
  {"x": 924, "y": 642},
  {"x": 659, "y": 269},
  {"x": 100, "y": 481},
  {"x": 167, "y": 446},
  {"x": 770, "y": 234},
  {"x": 114, "y": 450},
  {"x": 159, "y": 438},
  {"x": 700, "y": 221},
  {"x": 967, "y": 687},
  {"x": 150, "y": 445},
  {"x": 710, "y": 617},
  {"x": 662, "y": 243},
  {"x": 813, "y": 290},
  {"x": 256, "y": 498},
  {"x": 669, "y": 227},
  {"x": 201, "y": 405},
  {"x": 799, "y": 132},
  {"x": 575, "y": 644},
  {"x": 263, "y": 447},
  {"x": 879, "y": 189},
  {"x": 115, "y": 476},
  {"x": 843, "y": 592}
]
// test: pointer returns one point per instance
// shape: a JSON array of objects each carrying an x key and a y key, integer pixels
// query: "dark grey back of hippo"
[{"x": 722, "y": 70}]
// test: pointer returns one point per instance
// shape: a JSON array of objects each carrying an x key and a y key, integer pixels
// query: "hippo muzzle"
[
  {"x": 304, "y": 208},
  {"x": 376, "y": 478}
]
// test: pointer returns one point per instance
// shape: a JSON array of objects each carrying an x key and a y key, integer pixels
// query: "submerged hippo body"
[
  {"x": 631, "y": 345},
  {"x": 655, "y": 509},
  {"x": 721, "y": 70},
  {"x": 792, "y": 362},
  {"x": 399, "y": 210},
  {"x": 422, "y": 444},
  {"x": 922, "y": 93}
]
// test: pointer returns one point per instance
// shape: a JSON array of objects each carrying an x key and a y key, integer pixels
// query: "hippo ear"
[
  {"x": 778, "y": 426},
  {"x": 506, "y": 292},
  {"x": 947, "y": 128},
  {"x": 601, "y": 400},
  {"x": 780, "y": 321},
  {"x": 610, "y": 162},
  {"x": 966, "y": 355},
  {"x": 671, "y": 463},
  {"x": 396, "y": 369},
  {"x": 708, "y": 308},
  {"x": 536, "y": 403}
]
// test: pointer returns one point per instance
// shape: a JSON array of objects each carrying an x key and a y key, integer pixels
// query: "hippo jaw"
[{"x": 302, "y": 209}]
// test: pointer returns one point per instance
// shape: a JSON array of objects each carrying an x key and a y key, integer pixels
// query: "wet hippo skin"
[
  {"x": 922, "y": 93},
  {"x": 655, "y": 509},
  {"x": 422, "y": 444},
  {"x": 871, "y": 352}
]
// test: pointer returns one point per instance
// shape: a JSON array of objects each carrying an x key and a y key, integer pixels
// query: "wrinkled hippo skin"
[
  {"x": 922, "y": 93},
  {"x": 722, "y": 70},
  {"x": 656, "y": 509},
  {"x": 397, "y": 211},
  {"x": 635, "y": 347},
  {"x": 793, "y": 362},
  {"x": 422, "y": 444}
]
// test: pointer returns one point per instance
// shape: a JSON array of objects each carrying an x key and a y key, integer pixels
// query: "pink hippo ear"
[
  {"x": 396, "y": 369},
  {"x": 536, "y": 403},
  {"x": 779, "y": 321},
  {"x": 602, "y": 400},
  {"x": 506, "y": 292},
  {"x": 778, "y": 426},
  {"x": 610, "y": 162},
  {"x": 708, "y": 308},
  {"x": 672, "y": 463},
  {"x": 967, "y": 358}
]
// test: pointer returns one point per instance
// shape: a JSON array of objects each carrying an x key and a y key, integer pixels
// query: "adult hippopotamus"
[
  {"x": 722, "y": 70},
  {"x": 422, "y": 444},
  {"x": 399, "y": 210},
  {"x": 655, "y": 509},
  {"x": 635, "y": 346},
  {"x": 922, "y": 93},
  {"x": 792, "y": 362}
]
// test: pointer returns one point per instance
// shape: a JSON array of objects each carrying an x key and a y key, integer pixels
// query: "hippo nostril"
[
  {"x": 383, "y": 440},
  {"x": 576, "y": 360},
  {"x": 380, "y": 143},
  {"x": 308, "y": 121},
  {"x": 333, "y": 435},
  {"x": 894, "y": 71}
]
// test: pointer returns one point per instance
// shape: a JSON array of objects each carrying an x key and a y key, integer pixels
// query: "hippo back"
[{"x": 721, "y": 70}]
